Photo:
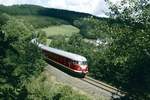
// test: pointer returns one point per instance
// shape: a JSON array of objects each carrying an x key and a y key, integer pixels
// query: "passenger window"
[
  {"x": 75, "y": 62},
  {"x": 82, "y": 62}
]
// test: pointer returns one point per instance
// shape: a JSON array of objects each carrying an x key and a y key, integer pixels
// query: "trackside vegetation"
[
  {"x": 17, "y": 63},
  {"x": 46, "y": 87}
]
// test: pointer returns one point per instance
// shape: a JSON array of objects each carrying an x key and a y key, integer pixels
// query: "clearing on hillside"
[{"x": 60, "y": 30}]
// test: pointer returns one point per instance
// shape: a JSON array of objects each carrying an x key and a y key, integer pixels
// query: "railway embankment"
[{"x": 78, "y": 84}]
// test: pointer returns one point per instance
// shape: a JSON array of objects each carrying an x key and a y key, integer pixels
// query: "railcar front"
[{"x": 80, "y": 67}]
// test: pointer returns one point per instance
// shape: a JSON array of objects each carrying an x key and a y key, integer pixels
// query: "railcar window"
[
  {"x": 75, "y": 62},
  {"x": 83, "y": 63}
]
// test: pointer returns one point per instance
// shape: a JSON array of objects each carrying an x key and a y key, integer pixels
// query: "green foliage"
[
  {"x": 40, "y": 88},
  {"x": 129, "y": 52},
  {"x": 3, "y": 19},
  {"x": 66, "y": 93},
  {"x": 44, "y": 88},
  {"x": 73, "y": 44},
  {"x": 41, "y": 21},
  {"x": 42, "y": 37},
  {"x": 69, "y": 16},
  {"x": 92, "y": 28},
  {"x": 19, "y": 59}
]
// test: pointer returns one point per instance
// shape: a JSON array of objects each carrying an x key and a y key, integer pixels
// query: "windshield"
[{"x": 83, "y": 63}]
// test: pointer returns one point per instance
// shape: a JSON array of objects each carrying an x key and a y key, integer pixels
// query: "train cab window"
[
  {"x": 82, "y": 62},
  {"x": 75, "y": 62}
]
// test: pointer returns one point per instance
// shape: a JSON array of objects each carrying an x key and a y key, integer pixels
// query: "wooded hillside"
[{"x": 69, "y": 16}]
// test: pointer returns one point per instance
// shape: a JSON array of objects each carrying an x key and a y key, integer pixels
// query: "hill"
[
  {"x": 69, "y": 16},
  {"x": 41, "y": 21}
]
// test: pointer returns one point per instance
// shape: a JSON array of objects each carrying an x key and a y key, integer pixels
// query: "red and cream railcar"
[{"x": 73, "y": 62}]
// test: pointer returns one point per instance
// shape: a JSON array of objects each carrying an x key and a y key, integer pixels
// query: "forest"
[
  {"x": 69, "y": 16},
  {"x": 121, "y": 59}
]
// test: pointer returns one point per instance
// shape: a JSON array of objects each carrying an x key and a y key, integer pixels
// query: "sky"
[{"x": 95, "y": 7}]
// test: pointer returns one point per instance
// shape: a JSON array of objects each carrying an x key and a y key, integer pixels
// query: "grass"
[
  {"x": 45, "y": 87},
  {"x": 60, "y": 30}
]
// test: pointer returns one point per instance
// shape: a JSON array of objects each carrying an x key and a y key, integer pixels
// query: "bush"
[{"x": 44, "y": 88}]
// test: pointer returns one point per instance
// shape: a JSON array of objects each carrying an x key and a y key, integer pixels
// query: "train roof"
[{"x": 66, "y": 54}]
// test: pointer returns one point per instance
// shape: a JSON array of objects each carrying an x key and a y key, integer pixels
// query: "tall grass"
[{"x": 45, "y": 87}]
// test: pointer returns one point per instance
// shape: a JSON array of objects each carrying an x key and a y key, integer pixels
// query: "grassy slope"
[
  {"x": 46, "y": 86},
  {"x": 61, "y": 30}
]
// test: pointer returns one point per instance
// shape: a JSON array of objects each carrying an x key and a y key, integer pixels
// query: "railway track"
[{"x": 116, "y": 93}]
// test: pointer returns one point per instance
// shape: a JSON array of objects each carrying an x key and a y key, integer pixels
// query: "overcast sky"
[{"x": 95, "y": 7}]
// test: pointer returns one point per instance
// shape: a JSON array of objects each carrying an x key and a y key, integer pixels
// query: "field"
[{"x": 60, "y": 30}]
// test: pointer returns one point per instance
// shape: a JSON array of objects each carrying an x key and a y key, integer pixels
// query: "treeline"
[
  {"x": 69, "y": 16},
  {"x": 39, "y": 22},
  {"x": 93, "y": 28}
]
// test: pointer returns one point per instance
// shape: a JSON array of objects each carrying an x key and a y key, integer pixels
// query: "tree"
[
  {"x": 20, "y": 59},
  {"x": 93, "y": 28},
  {"x": 129, "y": 53}
]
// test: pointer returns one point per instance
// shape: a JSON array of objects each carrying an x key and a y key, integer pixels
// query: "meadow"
[{"x": 60, "y": 30}]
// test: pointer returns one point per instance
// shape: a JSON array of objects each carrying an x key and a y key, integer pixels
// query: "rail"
[{"x": 114, "y": 91}]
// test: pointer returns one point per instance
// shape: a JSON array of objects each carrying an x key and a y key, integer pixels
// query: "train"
[{"x": 74, "y": 62}]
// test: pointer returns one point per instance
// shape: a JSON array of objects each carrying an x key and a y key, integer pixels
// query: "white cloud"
[
  {"x": 96, "y": 7},
  {"x": 12, "y": 2},
  {"x": 8, "y": 2}
]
